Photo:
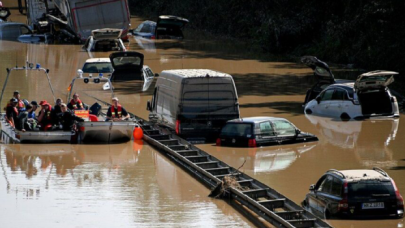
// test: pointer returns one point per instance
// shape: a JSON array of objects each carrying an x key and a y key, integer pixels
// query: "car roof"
[
  {"x": 349, "y": 86},
  {"x": 256, "y": 119},
  {"x": 195, "y": 73},
  {"x": 4, "y": 23},
  {"x": 98, "y": 60},
  {"x": 362, "y": 174}
]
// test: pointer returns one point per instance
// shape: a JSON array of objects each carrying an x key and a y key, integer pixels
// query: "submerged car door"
[
  {"x": 323, "y": 106},
  {"x": 336, "y": 103},
  {"x": 322, "y": 194},
  {"x": 284, "y": 130}
]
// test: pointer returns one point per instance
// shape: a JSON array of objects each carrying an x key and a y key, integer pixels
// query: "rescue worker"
[
  {"x": 21, "y": 103},
  {"x": 23, "y": 121},
  {"x": 67, "y": 119},
  {"x": 31, "y": 114},
  {"x": 116, "y": 112},
  {"x": 57, "y": 108},
  {"x": 45, "y": 116},
  {"x": 12, "y": 112},
  {"x": 75, "y": 103}
]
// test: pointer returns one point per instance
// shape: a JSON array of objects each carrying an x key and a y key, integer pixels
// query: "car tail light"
[
  {"x": 400, "y": 200},
  {"x": 252, "y": 143},
  {"x": 393, "y": 99},
  {"x": 344, "y": 203},
  {"x": 153, "y": 37},
  {"x": 218, "y": 142},
  {"x": 177, "y": 126},
  {"x": 82, "y": 128}
]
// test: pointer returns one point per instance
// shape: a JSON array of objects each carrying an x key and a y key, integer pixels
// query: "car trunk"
[
  {"x": 207, "y": 104},
  {"x": 169, "y": 27},
  {"x": 127, "y": 66},
  {"x": 372, "y": 198},
  {"x": 236, "y": 134},
  {"x": 375, "y": 102}
]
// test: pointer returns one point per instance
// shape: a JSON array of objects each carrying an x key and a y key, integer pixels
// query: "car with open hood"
[
  {"x": 107, "y": 39},
  {"x": 355, "y": 194},
  {"x": 166, "y": 27},
  {"x": 369, "y": 96},
  {"x": 261, "y": 131}
]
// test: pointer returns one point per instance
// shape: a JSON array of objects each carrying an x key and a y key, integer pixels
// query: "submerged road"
[{"x": 131, "y": 185}]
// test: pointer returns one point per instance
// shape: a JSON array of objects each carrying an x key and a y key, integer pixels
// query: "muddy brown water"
[{"x": 133, "y": 185}]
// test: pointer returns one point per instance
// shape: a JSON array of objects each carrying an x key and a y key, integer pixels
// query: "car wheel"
[
  {"x": 308, "y": 111},
  {"x": 345, "y": 116}
]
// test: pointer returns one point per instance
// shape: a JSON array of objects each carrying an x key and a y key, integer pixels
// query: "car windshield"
[
  {"x": 370, "y": 189},
  {"x": 283, "y": 127},
  {"x": 237, "y": 130},
  {"x": 97, "y": 68}
]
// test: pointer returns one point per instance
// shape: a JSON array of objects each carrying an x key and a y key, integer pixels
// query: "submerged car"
[
  {"x": 367, "y": 97},
  {"x": 166, "y": 27},
  {"x": 104, "y": 40},
  {"x": 261, "y": 131},
  {"x": 323, "y": 76},
  {"x": 355, "y": 193},
  {"x": 12, "y": 30},
  {"x": 96, "y": 66}
]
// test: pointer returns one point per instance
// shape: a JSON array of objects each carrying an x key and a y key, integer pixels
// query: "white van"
[{"x": 195, "y": 103}]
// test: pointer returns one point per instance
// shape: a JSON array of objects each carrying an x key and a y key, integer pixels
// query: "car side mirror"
[
  {"x": 156, "y": 75},
  {"x": 312, "y": 187},
  {"x": 318, "y": 99},
  {"x": 297, "y": 131},
  {"x": 148, "y": 106}
]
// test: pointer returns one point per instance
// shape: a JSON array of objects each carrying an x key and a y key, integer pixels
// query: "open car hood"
[
  {"x": 127, "y": 61},
  {"x": 106, "y": 33},
  {"x": 374, "y": 79},
  {"x": 171, "y": 21},
  {"x": 321, "y": 69}
]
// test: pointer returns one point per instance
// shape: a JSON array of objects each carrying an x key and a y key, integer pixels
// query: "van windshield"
[
  {"x": 237, "y": 130},
  {"x": 370, "y": 189}
]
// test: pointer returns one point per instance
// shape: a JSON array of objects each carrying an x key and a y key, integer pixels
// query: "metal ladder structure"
[{"x": 265, "y": 202}]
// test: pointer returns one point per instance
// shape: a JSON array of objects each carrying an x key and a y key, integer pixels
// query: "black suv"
[{"x": 355, "y": 193}]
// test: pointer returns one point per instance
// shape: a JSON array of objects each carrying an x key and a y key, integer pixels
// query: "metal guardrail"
[{"x": 254, "y": 200}]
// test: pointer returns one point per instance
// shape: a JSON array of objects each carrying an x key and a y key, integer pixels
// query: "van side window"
[
  {"x": 266, "y": 129},
  {"x": 327, "y": 95},
  {"x": 283, "y": 128}
]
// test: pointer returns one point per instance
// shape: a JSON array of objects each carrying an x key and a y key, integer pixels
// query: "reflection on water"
[
  {"x": 127, "y": 185},
  {"x": 264, "y": 159},
  {"x": 369, "y": 139}
]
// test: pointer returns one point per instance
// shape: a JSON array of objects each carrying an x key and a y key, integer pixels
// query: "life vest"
[
  {"x": 118, "y": 113},
  {"x": 76, "y": 105},
  {"x": 21, "y": 104},
  {"x": 47, "y": 115}
]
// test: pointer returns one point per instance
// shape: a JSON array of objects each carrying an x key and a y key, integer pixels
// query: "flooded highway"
[{"x": 133, "y": 185}]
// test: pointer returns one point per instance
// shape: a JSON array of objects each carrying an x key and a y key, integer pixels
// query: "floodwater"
[{"x": 133, "y": 185}]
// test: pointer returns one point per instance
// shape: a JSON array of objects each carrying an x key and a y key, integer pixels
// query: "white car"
[
  {"x": 98, "y": 65},
  {"x": 367, "y": 97},
  {"x": 104, "y": 40}
]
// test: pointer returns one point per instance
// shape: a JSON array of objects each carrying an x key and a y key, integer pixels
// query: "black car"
[
  {"x": 355, "y": 194},
  {"x": 166, "y": 27},
  {"x": 322, "y": 73},
  {"x": 261, "y": 131},
  {"x": 12, "y": 30}
]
